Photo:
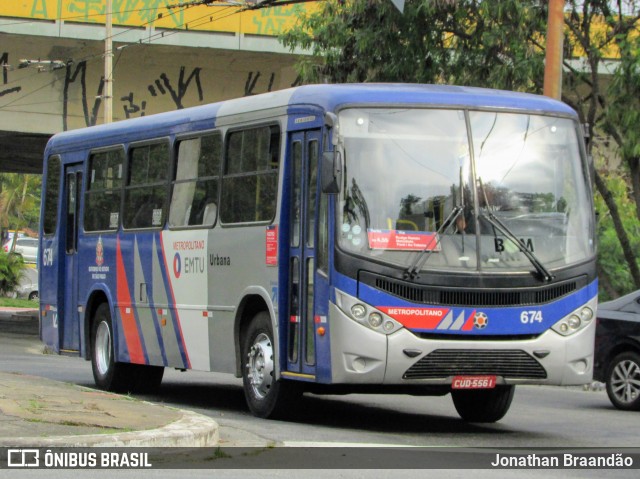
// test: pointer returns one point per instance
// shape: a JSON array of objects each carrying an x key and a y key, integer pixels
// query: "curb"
[
  {"x": 191, "y": 430},
  {"x": 20, "y": 322}
]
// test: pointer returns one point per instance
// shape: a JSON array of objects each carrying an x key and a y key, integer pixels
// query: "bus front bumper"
[{"x": 403, "y": 358}]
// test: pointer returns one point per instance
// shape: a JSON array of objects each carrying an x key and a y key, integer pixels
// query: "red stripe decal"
[
  {"x": 131, "y": 333},
  {"x": 416, "y": 318},
  {"x": 468, "y": 326}
]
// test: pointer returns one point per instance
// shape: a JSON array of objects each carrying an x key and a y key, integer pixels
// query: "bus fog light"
[
  {"x": 358, "y": 311},
  {"x": 375, "y": 320},
  {"x": 359, "y": 364},
  {"x": 586, "y": 314},
  {"x": 388, "y": 326},
  {"x": 574, "y": 322}
]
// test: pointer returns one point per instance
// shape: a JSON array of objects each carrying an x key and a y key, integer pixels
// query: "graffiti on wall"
[
  {"x": 4, "y": 64},
  {"x": 69, "y": 94},
  {"x": 252, "y": 81},
  {"x": 164, "y": 85},
  {"x": 135, "y": 104},
  {"x": 79, "y": 76}
]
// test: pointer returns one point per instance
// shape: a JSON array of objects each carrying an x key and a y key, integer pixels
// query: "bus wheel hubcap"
[
  {"x": 260, "y": 365},
  {"x": 103, "y": 348}
]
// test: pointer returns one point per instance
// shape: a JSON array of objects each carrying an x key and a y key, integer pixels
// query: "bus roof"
[{"x": 328, "y": 97}]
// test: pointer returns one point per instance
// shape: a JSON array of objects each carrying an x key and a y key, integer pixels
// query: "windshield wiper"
[
  {"x": 496, "y": 223},
  {"x": 423, "y": 256},
  {"x": 544, "y": 273}
]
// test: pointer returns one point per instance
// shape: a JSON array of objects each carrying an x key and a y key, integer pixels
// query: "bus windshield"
[{"x": 459, "y": 188}]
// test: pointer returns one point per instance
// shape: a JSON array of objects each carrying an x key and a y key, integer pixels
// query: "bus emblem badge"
[
  {"x": 99, "y": 252},
  {"x": 480, "y": 320}
]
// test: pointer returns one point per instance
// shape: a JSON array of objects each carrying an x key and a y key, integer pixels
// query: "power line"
[
  {"x": 90, "y": 58},
  {"x": 161, "y": 35}
]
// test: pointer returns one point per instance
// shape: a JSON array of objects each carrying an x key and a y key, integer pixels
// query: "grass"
[{"x": 18, "y": 303}]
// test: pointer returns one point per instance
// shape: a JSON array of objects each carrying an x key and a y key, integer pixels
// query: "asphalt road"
[{"x": 540, "y": 417}]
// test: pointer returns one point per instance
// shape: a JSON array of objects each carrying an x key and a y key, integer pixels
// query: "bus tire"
[
  {"x": 623, "y": 381},
  {"x": 265, "y": 396},
  {"x": 483, "y": 405},
  {"x": 107, "y": 373},
  {"x": 147, "y": 378}
]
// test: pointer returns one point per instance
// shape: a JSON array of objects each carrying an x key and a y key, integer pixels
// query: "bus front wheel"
[
  {"x": 265, "y": 396},
  {"x": 483, "y": 405}
]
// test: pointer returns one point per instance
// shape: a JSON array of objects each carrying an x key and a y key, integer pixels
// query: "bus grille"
[
  {"x": 471, "y": 297},
  {"x": 443, "y": 363}
]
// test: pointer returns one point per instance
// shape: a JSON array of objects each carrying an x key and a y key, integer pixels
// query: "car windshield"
[{"x": 462, "y": 185}]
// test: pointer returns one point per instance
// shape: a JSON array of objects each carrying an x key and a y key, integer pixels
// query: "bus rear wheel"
[
  {"x": 115, "y": 376},
  {"x": 107, "y": 373},
  {"x": 483, "y": 405},
  {"x": 265, "y": 396}
]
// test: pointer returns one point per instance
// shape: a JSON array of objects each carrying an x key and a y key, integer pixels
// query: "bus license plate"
[{"x": 473, "y": 382}]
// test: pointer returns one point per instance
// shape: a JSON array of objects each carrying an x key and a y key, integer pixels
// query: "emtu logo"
[{"x": 177, "y": 265}]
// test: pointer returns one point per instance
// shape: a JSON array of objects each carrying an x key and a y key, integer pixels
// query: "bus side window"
[
  {"x": 104, "y": 191},
  {"x": 250, "y": 181},
  {"x": 195, "y": 191},
  {"x": 146, "y": 190}
]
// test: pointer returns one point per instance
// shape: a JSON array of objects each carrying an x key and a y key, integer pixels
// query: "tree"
[
  {"x": 11, "y": 271},
  {"x": 19, "y": 201},
  {"x": 498, "y": 44}
]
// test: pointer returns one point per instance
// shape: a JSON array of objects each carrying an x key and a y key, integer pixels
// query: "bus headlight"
[
  {"x": 359, "y": 311},
  {"x": 574, "y": 322},
  {"x": 586, "y": 314},
  {"x": 375, "y": 320},
  {"x": 366, "y": 315}
]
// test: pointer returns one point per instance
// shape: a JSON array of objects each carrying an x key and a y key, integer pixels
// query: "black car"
[{"x": 617, "y": 350}]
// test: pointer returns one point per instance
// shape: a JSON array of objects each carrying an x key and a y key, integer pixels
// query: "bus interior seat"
[{"x": 210, "y": 212}]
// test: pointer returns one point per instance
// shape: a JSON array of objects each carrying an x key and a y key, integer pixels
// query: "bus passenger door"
[
  {"x": 68, "y": 322},
  {"x": 301, "y": 340}
]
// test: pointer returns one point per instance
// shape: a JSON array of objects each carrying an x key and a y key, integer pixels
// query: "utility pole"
[
  {"x": 553, "y": 50},
  {"x": 108, "y": 65}
]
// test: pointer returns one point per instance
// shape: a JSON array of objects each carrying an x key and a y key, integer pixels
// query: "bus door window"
[
  {"x": 296, "y": 226},
  {"x": 303, "y": 201},
  {"x": 74, "y": 183},
  {"x": 294, "y": 310},
  {"x": 312, "y": 189}
]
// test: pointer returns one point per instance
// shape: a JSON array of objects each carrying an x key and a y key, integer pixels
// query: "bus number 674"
[{"x": 530, "y": 317}]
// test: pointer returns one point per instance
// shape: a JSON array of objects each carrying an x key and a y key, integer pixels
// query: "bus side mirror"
[{"x": 331, "y": 172}]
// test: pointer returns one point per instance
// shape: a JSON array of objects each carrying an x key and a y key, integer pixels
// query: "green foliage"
[
  {"x": 501, "y": 44},
  {"x": 614, "y": 273},
  {"x": 458, "y": 42},
  {"x": 20, "y": 201},
  {"x": 11, "y": 271}
]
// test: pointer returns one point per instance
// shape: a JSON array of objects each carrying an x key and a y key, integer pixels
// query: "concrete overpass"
[{"x": 52, "y": 58}]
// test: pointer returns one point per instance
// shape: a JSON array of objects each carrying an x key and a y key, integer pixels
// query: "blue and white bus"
[{"x": 409, "y": 239}]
